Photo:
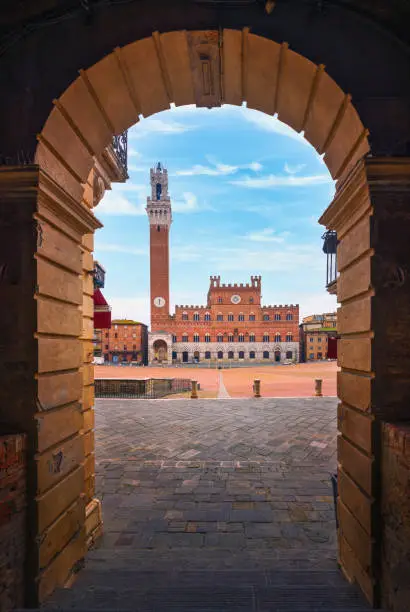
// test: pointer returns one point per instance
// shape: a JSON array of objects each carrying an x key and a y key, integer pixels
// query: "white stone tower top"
[{"x": 159, "y": 204}]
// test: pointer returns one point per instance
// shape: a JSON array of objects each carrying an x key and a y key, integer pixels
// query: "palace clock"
[
  {"x": 235, "y": 299},
  {"x": 159, "y": 302}
]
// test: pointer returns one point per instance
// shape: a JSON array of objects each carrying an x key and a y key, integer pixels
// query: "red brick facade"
[{"x": 126, "y": 340}]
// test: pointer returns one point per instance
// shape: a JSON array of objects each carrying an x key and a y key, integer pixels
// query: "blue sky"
[{"x": 246, "y": 192}]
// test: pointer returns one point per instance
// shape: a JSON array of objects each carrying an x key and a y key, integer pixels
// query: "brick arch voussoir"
[{"x": 203, "y": 68}]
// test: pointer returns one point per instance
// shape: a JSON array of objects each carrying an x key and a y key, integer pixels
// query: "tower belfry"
[{"x": 160, "y": 218}]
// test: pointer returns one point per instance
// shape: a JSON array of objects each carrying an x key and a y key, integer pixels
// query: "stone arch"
[{"x": 146, "y": 76}]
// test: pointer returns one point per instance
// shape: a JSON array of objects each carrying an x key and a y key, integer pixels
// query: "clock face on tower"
[
  {"x": 235, "y": 299},
  {"x": 159, "y": 302}
]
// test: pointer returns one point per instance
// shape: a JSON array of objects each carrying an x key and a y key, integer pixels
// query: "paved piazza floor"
[{"x": 225, "y": 501}]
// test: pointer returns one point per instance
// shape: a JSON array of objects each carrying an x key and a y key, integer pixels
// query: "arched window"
[
  {"x": 207, "y": 338},
  {"x": 219, "y": 316},
  {"x": 251, "y": 337},
  {"x": 220, "y": 338},
  {"x": 251, "y": 354},
  {"x": 289, "y": 337},
  {"x": 241, "y": 317},
  {"x": 265, "y": 337},
  {"x": 207, "y": 354},
  {"x": 251, "y": 317},
  {"x": 230, "y": 354},
  {"x": 196, "y": 337},
  {"x": 266, "y": 354},
  {"x": 289, "y": 316},
  {"x": 241, "y": 355},
  {"x": 207, "y": 316},
  {"x": 196, "y": 316},
  {"x": 185, "y": 316},
  {"x": 251, "y": 300},
  {"x": 231, "y": 338},
  {"x": 277, "y": 317},
  {"x": 220, "y": 355},
  {"x": 266, "y": 317},
  {"x": 289, "y": 355},
  {"x": 230, "y": 317},
  {"x": 278, "y": 338},
  {"x": 174, "y": 339},
  {"x": 219, "y": 300},
  {"x": 185, "y": 338},
  {"x": 241, "y": 338}
]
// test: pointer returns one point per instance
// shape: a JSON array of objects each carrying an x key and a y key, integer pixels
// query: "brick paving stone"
[{"x": 212, "y": 485}]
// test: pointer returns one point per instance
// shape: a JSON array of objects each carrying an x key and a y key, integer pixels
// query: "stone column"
[
  {"x": 371, "y": 214},
  {"x": 41, "y": 379}
]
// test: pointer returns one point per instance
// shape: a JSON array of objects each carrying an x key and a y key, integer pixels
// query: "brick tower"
[{"x": 160, "y": 219}]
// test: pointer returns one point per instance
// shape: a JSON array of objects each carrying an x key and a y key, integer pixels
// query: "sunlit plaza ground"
[{"x": 276, "y": 381}]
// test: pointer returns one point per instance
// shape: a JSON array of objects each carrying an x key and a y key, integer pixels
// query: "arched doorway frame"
[{"x": 204, "y": 68}]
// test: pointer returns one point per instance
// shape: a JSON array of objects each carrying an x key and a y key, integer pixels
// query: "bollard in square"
[
  {"x": 194, "y": 389},
  {"x": 318, "y": 387},
  {"x": 257, "y": 388}
]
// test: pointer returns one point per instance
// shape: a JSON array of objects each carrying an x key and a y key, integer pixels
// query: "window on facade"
[
  {"x": 185, "y": 338},
  {"x": 241, "y": 317},
  {"x": 115, "y": 335},
  {"x": 185, "y": 316},
  {"x": 319, "y": 355},
  {"x": 278, "y": 338},
  {"x": 311, "y": 356},
  {"x": 311, "y": 348},
  {"x": 230, "y": 354},
  {"x": 207, "y": 354},
  {"x": 106, "y": 347},
  {"x": 251, "y": 317},
  {"x": 220, "y": 338},
  {"x": 265, "y": 338},
  {"x": 125, "y": 326},
  {"x": 219, "y": 317},
  {"x": 207, "y": 316},
  {"x": 134, "y": 335},
  {"x": 115, "y": 326},
  {"x": 106, "y": 335},
  {"x": 289, "y": 316},
  {"x": 174, "y": 355},
  {"x": 266, "y": 354},
  {"x": 219, "y": 300},
  {"x": 241, "y": 355},
  {"x": 231, "y": 338},
  {"x": 241, "y": 338},
  {"x": 289, "y": 337},
  {"x": 312, "y": 339},
  {"x": 230, "y": 317},
  {"x": 251, "y": 354},
  {"x": 251, "y": 337},
  {"x": 125, "y": 347},
  {"x": 196, "y": 337},
  {"x": 319, "y": 339},
  {"x": 207, "y": 338},
  {"x": 289, "y": 354},
  {"x": 196, "y": 316},
  {"x": 277, "y": 317},
  {"x": 220, "y": 355},
  {"x": 134, "y": 347},
  {"x": 174, "y": 339},
  {"x": 266, "y": 317},
  {"x": 251, "y": 300}
]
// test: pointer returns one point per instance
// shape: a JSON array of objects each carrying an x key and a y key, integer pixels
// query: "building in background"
[
  {"x": 232, "y": 325},
  {"x": 318, "y": 337},
  {"x": 102, "y": 311},
  {"x": 125, "y": 342}
]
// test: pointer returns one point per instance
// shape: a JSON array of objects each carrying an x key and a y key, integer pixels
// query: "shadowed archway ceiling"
[{"x": 18, "y": 18}]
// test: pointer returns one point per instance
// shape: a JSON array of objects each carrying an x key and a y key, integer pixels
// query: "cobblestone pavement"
[{"x": 226, "y": 494}]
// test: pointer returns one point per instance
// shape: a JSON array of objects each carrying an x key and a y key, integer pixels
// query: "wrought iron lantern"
[
  {"x": 120, "y": 146},
  {"x": 330, "y": 243}
]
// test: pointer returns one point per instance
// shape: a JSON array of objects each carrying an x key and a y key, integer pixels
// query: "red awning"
[{"x": 102, "y": 312}]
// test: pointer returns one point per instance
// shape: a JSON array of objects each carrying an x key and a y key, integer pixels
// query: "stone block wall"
[
  {"x": 12, "y": 520},
  {"x": 395, "y": 556}
]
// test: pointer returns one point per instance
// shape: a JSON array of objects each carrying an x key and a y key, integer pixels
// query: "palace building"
[{"x": 232, "y": 325}]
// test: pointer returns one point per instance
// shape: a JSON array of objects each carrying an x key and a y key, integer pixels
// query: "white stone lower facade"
[{"x": 247, "y": 351}]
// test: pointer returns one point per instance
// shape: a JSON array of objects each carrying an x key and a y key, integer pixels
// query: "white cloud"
[
  {"x": 282, "y": 181},
  {"x": 115, "y": 204},
  {"x": 293, "y": 169},
  {"x": 217, "y": 169},
  {"x": 120, "y": 248},
  {"x": 272, "y": 124},
  {"x": 188, "y": 204},
  {"x": 155, "y": 125},
  {"x": 266, "y": 235},
  {"x": 133, "y": 153},
  {"x": 136, "y": 308},
  {"x": 316, "y": 303}
]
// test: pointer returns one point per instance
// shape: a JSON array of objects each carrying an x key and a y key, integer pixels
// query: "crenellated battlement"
[{"x": 267, "y": 306}]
